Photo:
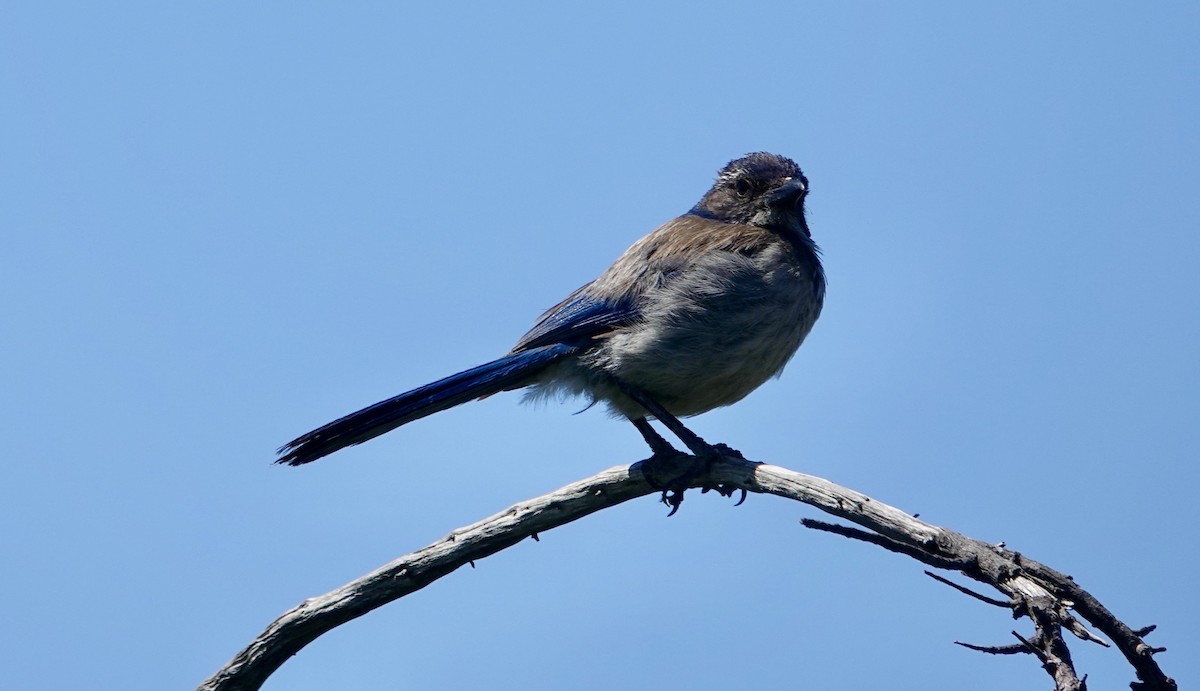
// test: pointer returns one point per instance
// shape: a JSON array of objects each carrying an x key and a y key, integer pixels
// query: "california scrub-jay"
[{"x": 693, "y": 316}]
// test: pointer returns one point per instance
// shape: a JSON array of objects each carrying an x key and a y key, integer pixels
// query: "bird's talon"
[
  {"x": 672, "y": 498},
  {"x": 743, "y": 497}
]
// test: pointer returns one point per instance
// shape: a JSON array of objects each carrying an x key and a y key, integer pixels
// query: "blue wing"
[{"x": 577, "y": 320}]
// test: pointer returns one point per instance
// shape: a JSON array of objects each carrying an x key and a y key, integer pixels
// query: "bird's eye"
[{"x": 742, "y": 187}]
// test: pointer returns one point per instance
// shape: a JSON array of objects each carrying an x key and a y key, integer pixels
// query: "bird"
[{"x": 693, "y": 316}]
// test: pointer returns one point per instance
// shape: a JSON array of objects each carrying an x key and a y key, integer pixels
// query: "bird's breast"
[{"x": 719, "y": 328}]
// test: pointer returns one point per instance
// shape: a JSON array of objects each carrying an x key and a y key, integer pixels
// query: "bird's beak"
[{"x": 788, "y": 194}]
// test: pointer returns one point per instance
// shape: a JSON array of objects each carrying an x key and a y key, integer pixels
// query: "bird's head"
[{"x": 759, "y": 189}]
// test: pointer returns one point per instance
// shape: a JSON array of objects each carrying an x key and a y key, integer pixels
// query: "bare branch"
[
  {"x": 298, "y": 627},
  {"x": 1036, "y": 591},
  {"x": 967, "y": 591},
  {"x": 1021, "y": 649},
  {"x": 1050, "y": 647},
  {"x": 1010, "y": 572}
]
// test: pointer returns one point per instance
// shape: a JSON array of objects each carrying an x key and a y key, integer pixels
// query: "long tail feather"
[{"x": 510, "y": 371}]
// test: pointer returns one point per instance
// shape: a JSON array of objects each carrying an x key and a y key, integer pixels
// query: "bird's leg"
[
  {"x": 689, "y": 438},
  {"x": 658, "y": 445},
  {"x": 663, "y": 451},
  {"x": 707, "y": 453}
]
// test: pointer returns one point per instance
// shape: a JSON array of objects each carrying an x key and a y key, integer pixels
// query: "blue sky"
[{"x": 225, "y": 225}]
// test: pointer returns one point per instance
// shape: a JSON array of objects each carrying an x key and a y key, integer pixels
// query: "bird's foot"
[
  {"x": 721, "y": 488},
  {"x": 705, "y": 454},
  {"x": 670, "y": 471},
  {"x": 662, "y": 471}
]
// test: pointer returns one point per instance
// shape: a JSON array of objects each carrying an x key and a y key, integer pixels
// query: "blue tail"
[{"x": 509, "y": 372}]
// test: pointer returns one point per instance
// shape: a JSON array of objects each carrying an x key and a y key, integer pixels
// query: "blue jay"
[{"x": 693, "y": 316}]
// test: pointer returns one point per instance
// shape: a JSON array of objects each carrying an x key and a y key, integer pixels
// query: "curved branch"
[{"x": 1035, "y": 590}]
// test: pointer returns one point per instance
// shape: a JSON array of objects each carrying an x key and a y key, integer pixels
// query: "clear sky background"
[{"x": 225, "y": 224}]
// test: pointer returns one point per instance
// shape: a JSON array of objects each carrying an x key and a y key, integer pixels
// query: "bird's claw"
[
  {"x": 726, "y": 491},
  {"x": 674, "y": 488},
  {"x": 672, "y": 498}
]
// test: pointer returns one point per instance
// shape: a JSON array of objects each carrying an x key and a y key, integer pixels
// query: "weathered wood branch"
[{"x": 1034, "y": 590}]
